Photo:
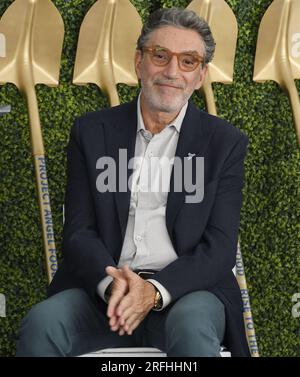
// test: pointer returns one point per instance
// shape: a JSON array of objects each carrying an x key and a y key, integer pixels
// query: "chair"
[
  {"x": 136, "y": 352},
  {"x": 239, "y": 272},
  {"x": 154, "y": 352}
]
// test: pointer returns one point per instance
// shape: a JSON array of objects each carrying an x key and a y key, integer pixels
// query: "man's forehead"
[{"x": 176, "y": 39}]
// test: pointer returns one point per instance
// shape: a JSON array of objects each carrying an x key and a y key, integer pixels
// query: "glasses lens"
[
  {"x": 188, "y": 62},
  {"x": 160, "y": 56}
]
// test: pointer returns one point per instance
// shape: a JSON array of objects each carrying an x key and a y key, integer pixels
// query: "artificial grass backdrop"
[{"x": 269, "y": 228}]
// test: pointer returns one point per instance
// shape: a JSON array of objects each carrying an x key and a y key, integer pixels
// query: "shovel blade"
[
  {"x": 223, "y": 24},
  {"x": 106, "y": 45},
  {"x": 34, "y": 33},
  {"x": 278, "y": 42}
]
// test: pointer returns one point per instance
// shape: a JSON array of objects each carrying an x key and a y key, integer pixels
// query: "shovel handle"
[
  {"x": 45, "y": 215},
  {"x": 110, "y": 88},
  {"x": 113, "y": 96},
  {"x": 209, "y": 95},
  {"x": 248, "y": 319},
  {"x": 41, "y": 180},
  {"x": 295, "y": 104}
]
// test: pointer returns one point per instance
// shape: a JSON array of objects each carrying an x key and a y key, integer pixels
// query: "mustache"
[{"x": 176, "y": 84}]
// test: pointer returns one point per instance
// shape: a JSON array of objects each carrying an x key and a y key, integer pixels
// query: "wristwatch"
[{"x": 158, "y": 303}]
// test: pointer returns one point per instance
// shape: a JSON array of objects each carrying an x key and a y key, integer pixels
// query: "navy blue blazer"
[{"x": 204, "y": 234}]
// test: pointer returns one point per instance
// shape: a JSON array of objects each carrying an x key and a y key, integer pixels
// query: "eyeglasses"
[{"x": 161, "y": 56}]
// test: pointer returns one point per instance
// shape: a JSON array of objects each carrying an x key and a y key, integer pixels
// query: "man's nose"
[{"x": 172, "y": 69}]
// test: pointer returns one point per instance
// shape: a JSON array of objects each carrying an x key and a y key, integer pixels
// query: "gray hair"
[{"x": 181, "y": 18}]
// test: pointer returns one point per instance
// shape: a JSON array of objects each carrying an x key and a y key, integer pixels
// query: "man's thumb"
[{"x": 112, "y": 271}]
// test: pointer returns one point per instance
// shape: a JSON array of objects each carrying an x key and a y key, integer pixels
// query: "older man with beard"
[{"x": 146, "y": 267}]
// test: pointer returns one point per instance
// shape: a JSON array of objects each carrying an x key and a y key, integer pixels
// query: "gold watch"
[{"x": 157, "y": 300}]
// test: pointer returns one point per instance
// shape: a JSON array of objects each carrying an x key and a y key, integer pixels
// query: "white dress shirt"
[{"x": 147, "y": 244}]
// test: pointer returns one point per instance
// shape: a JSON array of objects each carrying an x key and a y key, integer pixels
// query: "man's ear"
[
  {"x": 203, "y": 73},
  {"x": 137, "y": 63}
]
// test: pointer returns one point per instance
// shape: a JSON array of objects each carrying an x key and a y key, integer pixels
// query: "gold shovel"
[
  {"x": 34, "y": 32},
  {"x": 223, "y": 24},
  {"x": 278, "y": 51},
  {"x": 106, "y": 47}
]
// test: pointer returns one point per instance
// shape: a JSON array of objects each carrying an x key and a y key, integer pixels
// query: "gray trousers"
[{"x": 70, "y": 324}]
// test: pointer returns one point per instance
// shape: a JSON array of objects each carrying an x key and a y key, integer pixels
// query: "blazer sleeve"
[
  {"x": 215, "y": 255},
  {"x": 85, "y": 254}
]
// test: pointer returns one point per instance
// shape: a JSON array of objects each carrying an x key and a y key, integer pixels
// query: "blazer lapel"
[
  {"x": 121, "y": 135},
  {"x": 193, "y": 139}
]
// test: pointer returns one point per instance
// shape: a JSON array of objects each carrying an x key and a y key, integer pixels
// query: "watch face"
[{"x": 158, "y": 300}]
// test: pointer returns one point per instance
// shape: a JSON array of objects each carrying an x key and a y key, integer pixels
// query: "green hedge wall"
[{"x": 270, "y": 216}]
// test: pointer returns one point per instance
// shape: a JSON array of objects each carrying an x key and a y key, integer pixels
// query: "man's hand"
[
  {"x": 118, "y": 291},
  {"x": 134, "y": 306}
]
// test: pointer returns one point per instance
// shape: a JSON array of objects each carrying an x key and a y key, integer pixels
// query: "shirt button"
[
  {"x": 138, "y": 238},
  {"x": 147, "y": 135}
]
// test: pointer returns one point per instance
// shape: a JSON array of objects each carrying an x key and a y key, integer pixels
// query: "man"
[{"x": 149, "y": 267}]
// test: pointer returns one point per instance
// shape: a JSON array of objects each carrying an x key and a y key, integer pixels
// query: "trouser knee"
[
  {"x": 47, "y": 324},
  {"x": 195, "y": 325},
  {"x": 55, "y": 311}
]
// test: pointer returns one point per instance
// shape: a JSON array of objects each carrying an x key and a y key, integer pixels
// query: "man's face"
[{"x": 167, "y": 88}]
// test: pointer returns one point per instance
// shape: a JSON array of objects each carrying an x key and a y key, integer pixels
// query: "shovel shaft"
[
  {"x": 209, "y": 96},
  {"x": 295, "y": 104},
  {"x": 36, "y": 137},
  {"x": 248, "y": 319},
  {"x": 45, "y": 215},
  {"x": 41, "y": 181},
  {"x": 112, "y": 94}
]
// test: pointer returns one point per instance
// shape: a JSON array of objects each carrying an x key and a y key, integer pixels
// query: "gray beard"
[{"x": 156, "y": 105}]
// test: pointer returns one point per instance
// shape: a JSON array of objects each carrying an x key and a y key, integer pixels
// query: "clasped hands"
[{"x": 131, "y": 299}]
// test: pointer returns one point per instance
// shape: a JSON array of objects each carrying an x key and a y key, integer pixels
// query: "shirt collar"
[{"x": 177, "y": 122}]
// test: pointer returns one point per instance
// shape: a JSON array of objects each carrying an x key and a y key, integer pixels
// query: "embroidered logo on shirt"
[{"x": 191, "y": 155}]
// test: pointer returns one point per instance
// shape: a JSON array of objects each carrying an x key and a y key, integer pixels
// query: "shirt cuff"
[
  {"x": 101, "y": 287},
  {"x": 166, "y": 297}
]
